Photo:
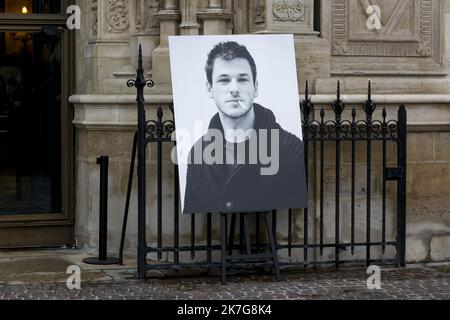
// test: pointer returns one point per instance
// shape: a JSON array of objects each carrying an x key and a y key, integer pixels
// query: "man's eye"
[
  {"x": 243, "y": 80},
  {"x": 223, "y": 81}
]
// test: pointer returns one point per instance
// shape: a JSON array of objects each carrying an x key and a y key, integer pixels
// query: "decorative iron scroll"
[{"x": 159, "y": 130}]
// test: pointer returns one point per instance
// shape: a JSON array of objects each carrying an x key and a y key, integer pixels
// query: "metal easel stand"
[
  {"x": 226, "y": 253},
  {"x": 127, "y": 201}
]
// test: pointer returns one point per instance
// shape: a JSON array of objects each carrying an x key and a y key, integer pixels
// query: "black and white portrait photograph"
[
  {"x": 203, "y": 152},
  {"x": 238, "y": 123}
]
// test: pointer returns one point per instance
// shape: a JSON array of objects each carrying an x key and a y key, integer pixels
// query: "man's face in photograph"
[{"x": 233, "y": 87}]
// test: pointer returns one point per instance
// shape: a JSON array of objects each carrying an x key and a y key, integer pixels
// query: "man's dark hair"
[{"x": 228, "y": 51}]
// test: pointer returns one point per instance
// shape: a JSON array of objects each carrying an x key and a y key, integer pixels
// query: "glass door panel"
[
  {"x": 30, "y": 122},
  {"x": 30, "y": 6}
]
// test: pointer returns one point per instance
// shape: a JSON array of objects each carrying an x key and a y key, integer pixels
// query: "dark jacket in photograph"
[{"x": 242, "y": 188}]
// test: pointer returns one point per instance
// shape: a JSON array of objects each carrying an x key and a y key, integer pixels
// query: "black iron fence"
[{"x": 356, "y": 165}]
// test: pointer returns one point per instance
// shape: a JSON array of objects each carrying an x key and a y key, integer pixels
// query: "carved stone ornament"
[
  {"x": 139, "y": 15},
  {"x": 117, "y": 16},
  {"x": 350, "y": 40},
  {"x": 424, "y": 49},
  {"x": 153, "y": 8},
  {"x": 340, "y": 47},
  {"x": 93, "y": 17},
  {"x": 289, "y": 10},
  {"x": 259, "y": 13}
]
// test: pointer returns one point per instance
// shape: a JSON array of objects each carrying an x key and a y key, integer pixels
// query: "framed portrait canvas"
[{"x": 238, "y": 123}]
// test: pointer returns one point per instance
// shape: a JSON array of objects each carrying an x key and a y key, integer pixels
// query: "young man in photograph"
[{"x": 246, "y": 161}]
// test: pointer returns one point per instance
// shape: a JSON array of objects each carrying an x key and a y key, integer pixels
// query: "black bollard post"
[
  {"x": 103, "y": 221},
  {"x": 103, "y": 259}
]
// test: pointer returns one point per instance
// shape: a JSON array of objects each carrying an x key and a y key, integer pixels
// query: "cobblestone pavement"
[{"x": 410, "y": 283}]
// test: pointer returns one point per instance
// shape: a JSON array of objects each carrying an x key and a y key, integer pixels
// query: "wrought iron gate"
[{"x": 367, "y": 151}]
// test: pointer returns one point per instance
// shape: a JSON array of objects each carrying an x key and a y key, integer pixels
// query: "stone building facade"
[{"x": 407, "y": 61}]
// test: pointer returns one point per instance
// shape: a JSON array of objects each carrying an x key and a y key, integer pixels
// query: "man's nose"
[{"x": 234, "y": 88}]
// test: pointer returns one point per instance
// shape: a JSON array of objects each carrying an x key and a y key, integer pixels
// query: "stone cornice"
[
  {"x": 167, "y": 15},
  {"x": 124, "y": 99},
  {"x": 408, "y": 99},
  {"x": 215, "y": 14},
  {"x": 118, "y": 112}
]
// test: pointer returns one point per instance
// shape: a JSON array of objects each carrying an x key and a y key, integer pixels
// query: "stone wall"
[{"x": 409, "y": 55}]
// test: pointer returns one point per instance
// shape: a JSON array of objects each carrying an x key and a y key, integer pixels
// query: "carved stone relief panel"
[
  {"x": 117, "y": 16},
  {"x": 259, "y": 12},
  {"x": 151, "y": 8},
  {"x": 289, "y": 10},
  {"x": 93, "y": 18},
  {"x": 139, "y": 16},
  {"x": 387, "y": 37},
  {"x": 145, "y": 15},
  {"x": 404, "y": 28},
  {"x": 290, "y": 16}
]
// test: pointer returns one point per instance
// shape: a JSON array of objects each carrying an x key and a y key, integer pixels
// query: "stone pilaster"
[
  {"x": 216, "y": 18},
  {"x": 240, "y": 10},
  {"x": 145, "y": 32},
  {"x": 189, "y": 25},
  {"x": 110, "y": 25},
  {"x": 447, "y": 34},
  {"x": 282, "y": 16},
  {"x": 169, "y": 19}
]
